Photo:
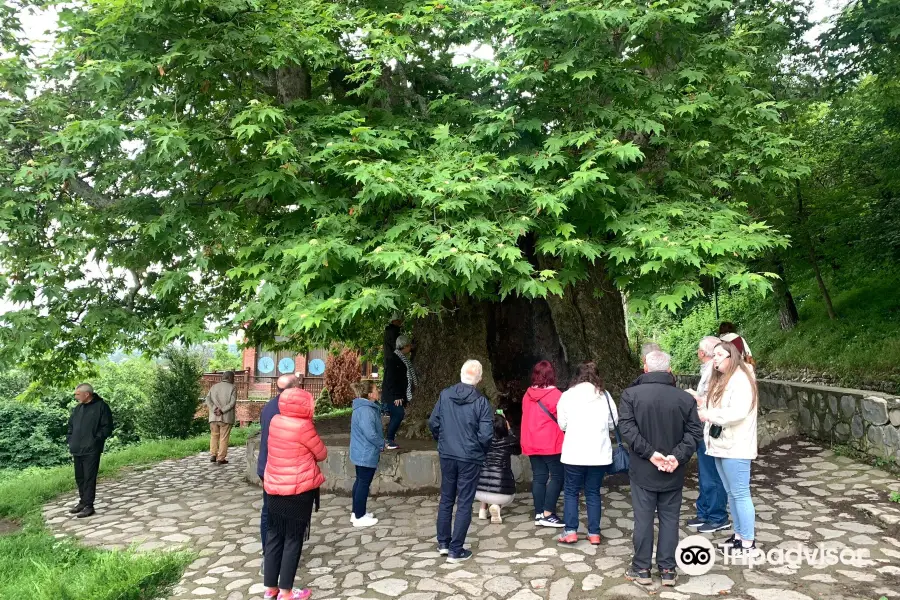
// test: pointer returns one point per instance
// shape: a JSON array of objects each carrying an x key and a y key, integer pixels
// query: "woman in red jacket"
[
  {"x": 542, "y": 442},
  {"x": 292, "y": 481}
]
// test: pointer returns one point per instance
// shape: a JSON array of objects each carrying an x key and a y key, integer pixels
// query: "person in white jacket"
[
  {"x": 730, "y": 437},
  {"x": 586, "y": 413}
]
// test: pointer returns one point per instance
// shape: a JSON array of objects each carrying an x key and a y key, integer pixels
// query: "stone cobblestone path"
[{"x": 804, "y": 496}]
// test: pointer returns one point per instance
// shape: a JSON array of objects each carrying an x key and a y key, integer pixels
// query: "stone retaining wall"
[
  {"x": 398, "y": 472},
  {"x": 867, "y": 421}
]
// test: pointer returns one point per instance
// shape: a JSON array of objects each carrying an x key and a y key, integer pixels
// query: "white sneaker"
[
  {"x": 482, "y": 514},
  {"x": 366, "y": 521},
  {"x": 353, "y": 517},
  {"x": 495, "y": 513}
]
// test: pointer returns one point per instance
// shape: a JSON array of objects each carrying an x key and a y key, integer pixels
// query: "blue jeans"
[
  {"x": 546, "y": 482},
  {"x": 397, "y": 414},
  {"x": 589, "y": 479},
  {"x": 711, "y": 505},
  {"x": 458, "y": 483},
  {"x": 735, "y": 474},
  {"x": 364, "y": 476}
]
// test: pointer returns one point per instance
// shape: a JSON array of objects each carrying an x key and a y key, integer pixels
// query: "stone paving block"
[{"x": 170, "y": 506}]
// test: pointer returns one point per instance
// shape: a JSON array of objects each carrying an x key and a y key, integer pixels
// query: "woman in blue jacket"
[{"x": 366, "y": 444}]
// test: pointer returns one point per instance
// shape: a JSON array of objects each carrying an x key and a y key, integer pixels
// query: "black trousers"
[
  {"x": 86, "y": 468},
  {"x": 648, "y": 504},
  {"x": 281, "y": 556}
]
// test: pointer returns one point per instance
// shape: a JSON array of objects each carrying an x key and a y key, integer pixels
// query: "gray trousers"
[{"x": 647, "y": 504}]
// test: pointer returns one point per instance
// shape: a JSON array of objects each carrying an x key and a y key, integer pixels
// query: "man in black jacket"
[
  {"x": 660, "y": 424},
  {"x": 462, "y": 424},
  {"x": 90, "y": 424}
]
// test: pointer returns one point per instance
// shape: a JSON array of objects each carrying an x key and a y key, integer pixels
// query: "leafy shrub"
[
  {"x": 341, "y": 372},
  {"x": 679, "y": 334},
  {"x": 126, "y": 387},
  {"x": 175, "y": 397},
  {"x": 12, "y": 383},
  {"x": 323, "y": 404},
  {"x": 32, "y": 435}
]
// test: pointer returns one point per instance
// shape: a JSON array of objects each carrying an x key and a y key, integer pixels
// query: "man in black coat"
[
  {"x": 462, "y": 424},
  {"x": 660, "y": 424},
  {"x": 90, "y": 424}
]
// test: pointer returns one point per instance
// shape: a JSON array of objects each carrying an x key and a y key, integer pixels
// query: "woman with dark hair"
[
  {"x": 586, "y": 413},
  {"x": 542, "y": 441},
  {"x": 496, "y": 484},
  {"x": 400, "y": 380},
  {"x": 730, "y": 436}
]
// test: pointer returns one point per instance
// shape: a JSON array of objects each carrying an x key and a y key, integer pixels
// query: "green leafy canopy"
[{"x": 308, "y": 166}]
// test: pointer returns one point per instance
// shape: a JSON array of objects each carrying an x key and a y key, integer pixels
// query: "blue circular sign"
[
  {"x": 316, "y": 366},
  {"x": 286, "y": 365},
  {"x": 266, "y": 365}
]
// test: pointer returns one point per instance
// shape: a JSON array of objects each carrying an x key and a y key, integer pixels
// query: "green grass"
[
  {"x": 37, "y": 566},
  {"x": 887, "y": 464},
  {"x": 860, "y": 349}
]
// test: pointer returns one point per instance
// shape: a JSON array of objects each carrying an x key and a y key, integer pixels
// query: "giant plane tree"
[{"x": 503, "y": 172}]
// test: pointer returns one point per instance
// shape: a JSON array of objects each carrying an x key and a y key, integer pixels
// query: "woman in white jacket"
[
  {"x": 730, "y": 436},
  {"x": 586, "y": 413}
]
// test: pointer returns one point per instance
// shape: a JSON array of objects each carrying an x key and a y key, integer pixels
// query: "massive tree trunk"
[{"x": 509, "y": 337}]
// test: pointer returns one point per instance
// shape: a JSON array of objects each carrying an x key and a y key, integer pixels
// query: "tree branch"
[{"x": 86, "y": 191}]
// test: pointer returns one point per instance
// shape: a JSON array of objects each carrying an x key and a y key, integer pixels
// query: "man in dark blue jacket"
[
  {"x": 266, "y": 415},
  {"x": 462, "y": 424}
]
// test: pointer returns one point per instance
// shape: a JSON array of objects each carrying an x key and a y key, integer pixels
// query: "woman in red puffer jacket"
[
  {"x": 542, "y": 441},
  {"x": 292, "y": 481}
]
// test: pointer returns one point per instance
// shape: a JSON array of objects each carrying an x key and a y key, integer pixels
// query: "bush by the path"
[
  {"x": 32, "y": 435},
  {"x": 169, "y": 412},
  {"x": 38, "y": 566}
]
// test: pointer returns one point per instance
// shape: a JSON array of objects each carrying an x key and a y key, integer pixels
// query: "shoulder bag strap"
[
  {"x": 546, "y": 410},
  {"x": 615, "y": 424}
]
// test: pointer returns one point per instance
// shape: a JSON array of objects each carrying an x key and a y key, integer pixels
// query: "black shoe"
[
  {"x": 695, "y": 522},
  {"x": 739, "y": 552},
  {"x": 222, "y": 462},
  {"x": 76, "y": 509},
  {"x": 443, "y": 550},
  {"x": 729, "y": 543},
  {"x": 714, "y": 527},
  {"x": 668, "y": 576},
  {"x": 85, "y": 512},
  {"x": 212, "y": 459},
  {"x": 456, "y": 557},
  {"x": 552, "y": 521},
  {"x": 641, "y": 576}
]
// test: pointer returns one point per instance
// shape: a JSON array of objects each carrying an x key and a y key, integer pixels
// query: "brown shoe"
[
  {"x": 212, "y": 459},
  {"x": 222, "y": 462}
]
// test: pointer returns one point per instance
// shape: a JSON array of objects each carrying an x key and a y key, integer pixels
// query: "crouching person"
[{"x": 497, "y": 484}]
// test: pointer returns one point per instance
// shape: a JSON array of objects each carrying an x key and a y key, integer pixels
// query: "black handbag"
[{"x": 621, "y": 460}]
